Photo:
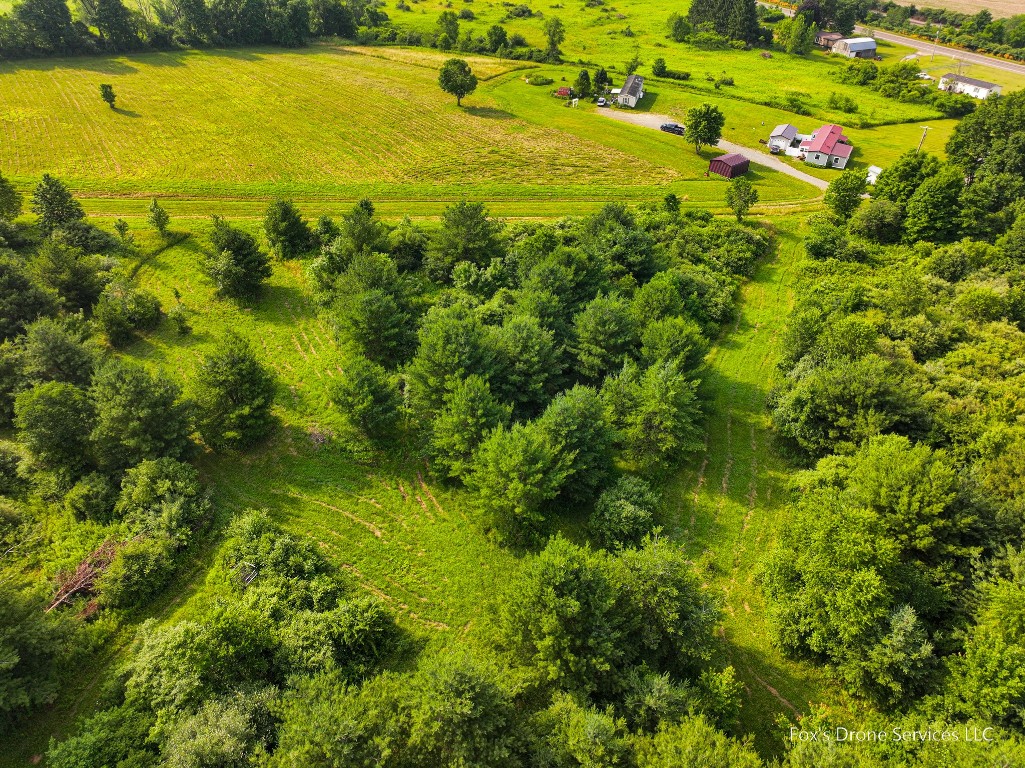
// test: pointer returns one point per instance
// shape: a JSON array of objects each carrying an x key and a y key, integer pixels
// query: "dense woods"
[
  {"x": 902, "y": 394},
  {"x": 542, "y": 356}
]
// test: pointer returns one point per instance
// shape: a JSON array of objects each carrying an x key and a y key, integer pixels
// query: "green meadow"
[{"x": 329, "y": 125}]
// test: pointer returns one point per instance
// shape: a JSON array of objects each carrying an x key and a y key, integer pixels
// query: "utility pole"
[{"x": 925, "y": 130}]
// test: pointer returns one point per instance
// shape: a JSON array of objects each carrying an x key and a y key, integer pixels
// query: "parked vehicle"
[
  {"x": 672, "y": 128},
  {"x": 602, "y": 102}
]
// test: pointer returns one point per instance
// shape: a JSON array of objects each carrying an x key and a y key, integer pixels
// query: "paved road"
[
  {"x": 648, "y": 120},
  {"x": 924, "y": 48}
]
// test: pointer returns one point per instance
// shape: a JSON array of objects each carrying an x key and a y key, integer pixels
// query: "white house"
[
  {"x": 827, "y": 148},
  {"x": 782, "y": 137},
  {"x": 856, "y": 48},
  {"x": 977, "y": 89},
  {"x": 631, "y": 92}
]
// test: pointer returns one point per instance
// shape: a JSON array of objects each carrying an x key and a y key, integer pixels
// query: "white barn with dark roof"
[
  {"x": 856, "y": 48},
  {"x": 783, "y": 137},
  {"x": 977, "y": 89}
]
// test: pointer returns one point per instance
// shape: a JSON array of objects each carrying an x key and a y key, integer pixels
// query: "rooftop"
[
  {"x": 969, "y": 81},
  {"x": 786, "y": 130},
  {"x": 733, "y": 159},
  {"x": 828, "y": 139},
  {"x": 633, "y": 86},
  {"x": 859, "y": 43}
]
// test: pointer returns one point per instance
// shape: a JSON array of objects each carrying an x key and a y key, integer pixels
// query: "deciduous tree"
[
  {"x": 138, "y": 417},
  {"x": 740, "y": 196},
  {"x": 107, "y": 94},
  {"x": 158, "y": 218},
  {"x": 843, "y": 196},
  {"x": 516, "y": 471},
  {"x": 456, "y": 78},
  {"x": 704, "y": 125},
  {"x": 555, "y": 33}
]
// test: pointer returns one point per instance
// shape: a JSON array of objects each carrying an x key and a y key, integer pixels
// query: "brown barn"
[{"x": 730, "y": 166}]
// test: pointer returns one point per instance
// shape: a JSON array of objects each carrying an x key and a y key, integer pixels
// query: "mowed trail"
[{"x": 727, "y": 505}]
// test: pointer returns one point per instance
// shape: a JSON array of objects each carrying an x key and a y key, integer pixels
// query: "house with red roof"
[{"x": 827, "y": 148}]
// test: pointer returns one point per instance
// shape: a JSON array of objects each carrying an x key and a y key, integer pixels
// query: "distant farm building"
[
  {"x": 564, "y": 92},
  {"x": 856, "y": 48},
  {"x": 631, "y": 92},
  {"x": 827, "y": 39},
  {"x": 977, "y": 89},
  {"x": 827, "y": 148},
  {"x": 730, "y": 166},
  {"x": 782, "y": 137}
]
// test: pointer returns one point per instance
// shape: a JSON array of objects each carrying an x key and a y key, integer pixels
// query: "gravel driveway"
[{"x": 648, "y": 120}]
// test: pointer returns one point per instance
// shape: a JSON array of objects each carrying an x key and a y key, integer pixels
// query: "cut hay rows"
[{"x": 324, "y": 114}]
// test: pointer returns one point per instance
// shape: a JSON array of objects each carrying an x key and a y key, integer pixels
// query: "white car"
[{"x": 602, "y": 102}]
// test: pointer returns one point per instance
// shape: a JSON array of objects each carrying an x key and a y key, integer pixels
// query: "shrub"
[
  {"x": 163, "y": 498},
  {"x": 141, "y": 568},
  {"x": 659, "y": 69},
  {"x": 11, "y": 482},
  {"x": 123, "y": 309},
  {"x": 539, "y": 80},
  {"x": 623, "y": 514},
  {"x": 842, "y": 102},
  {"x": 92, "y": 498},
  {"x": 954, "y": 104}
]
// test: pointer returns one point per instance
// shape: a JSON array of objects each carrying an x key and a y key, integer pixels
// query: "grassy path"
[{"x": 729, "y": 502}]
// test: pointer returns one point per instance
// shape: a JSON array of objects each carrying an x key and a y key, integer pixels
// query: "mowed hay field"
[
  {"x": 329, "y": 124},
  {"x": 999, "y": 8}
]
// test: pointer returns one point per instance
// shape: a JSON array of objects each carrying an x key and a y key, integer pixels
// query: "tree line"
[
  {"x": 899, "y": 568},
  {"x": 46, "y": 27}
]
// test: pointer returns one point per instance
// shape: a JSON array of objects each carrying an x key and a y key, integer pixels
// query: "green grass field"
[
  {"x": 330, "y": 124},
  {"x": 327, "y": 125}
]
